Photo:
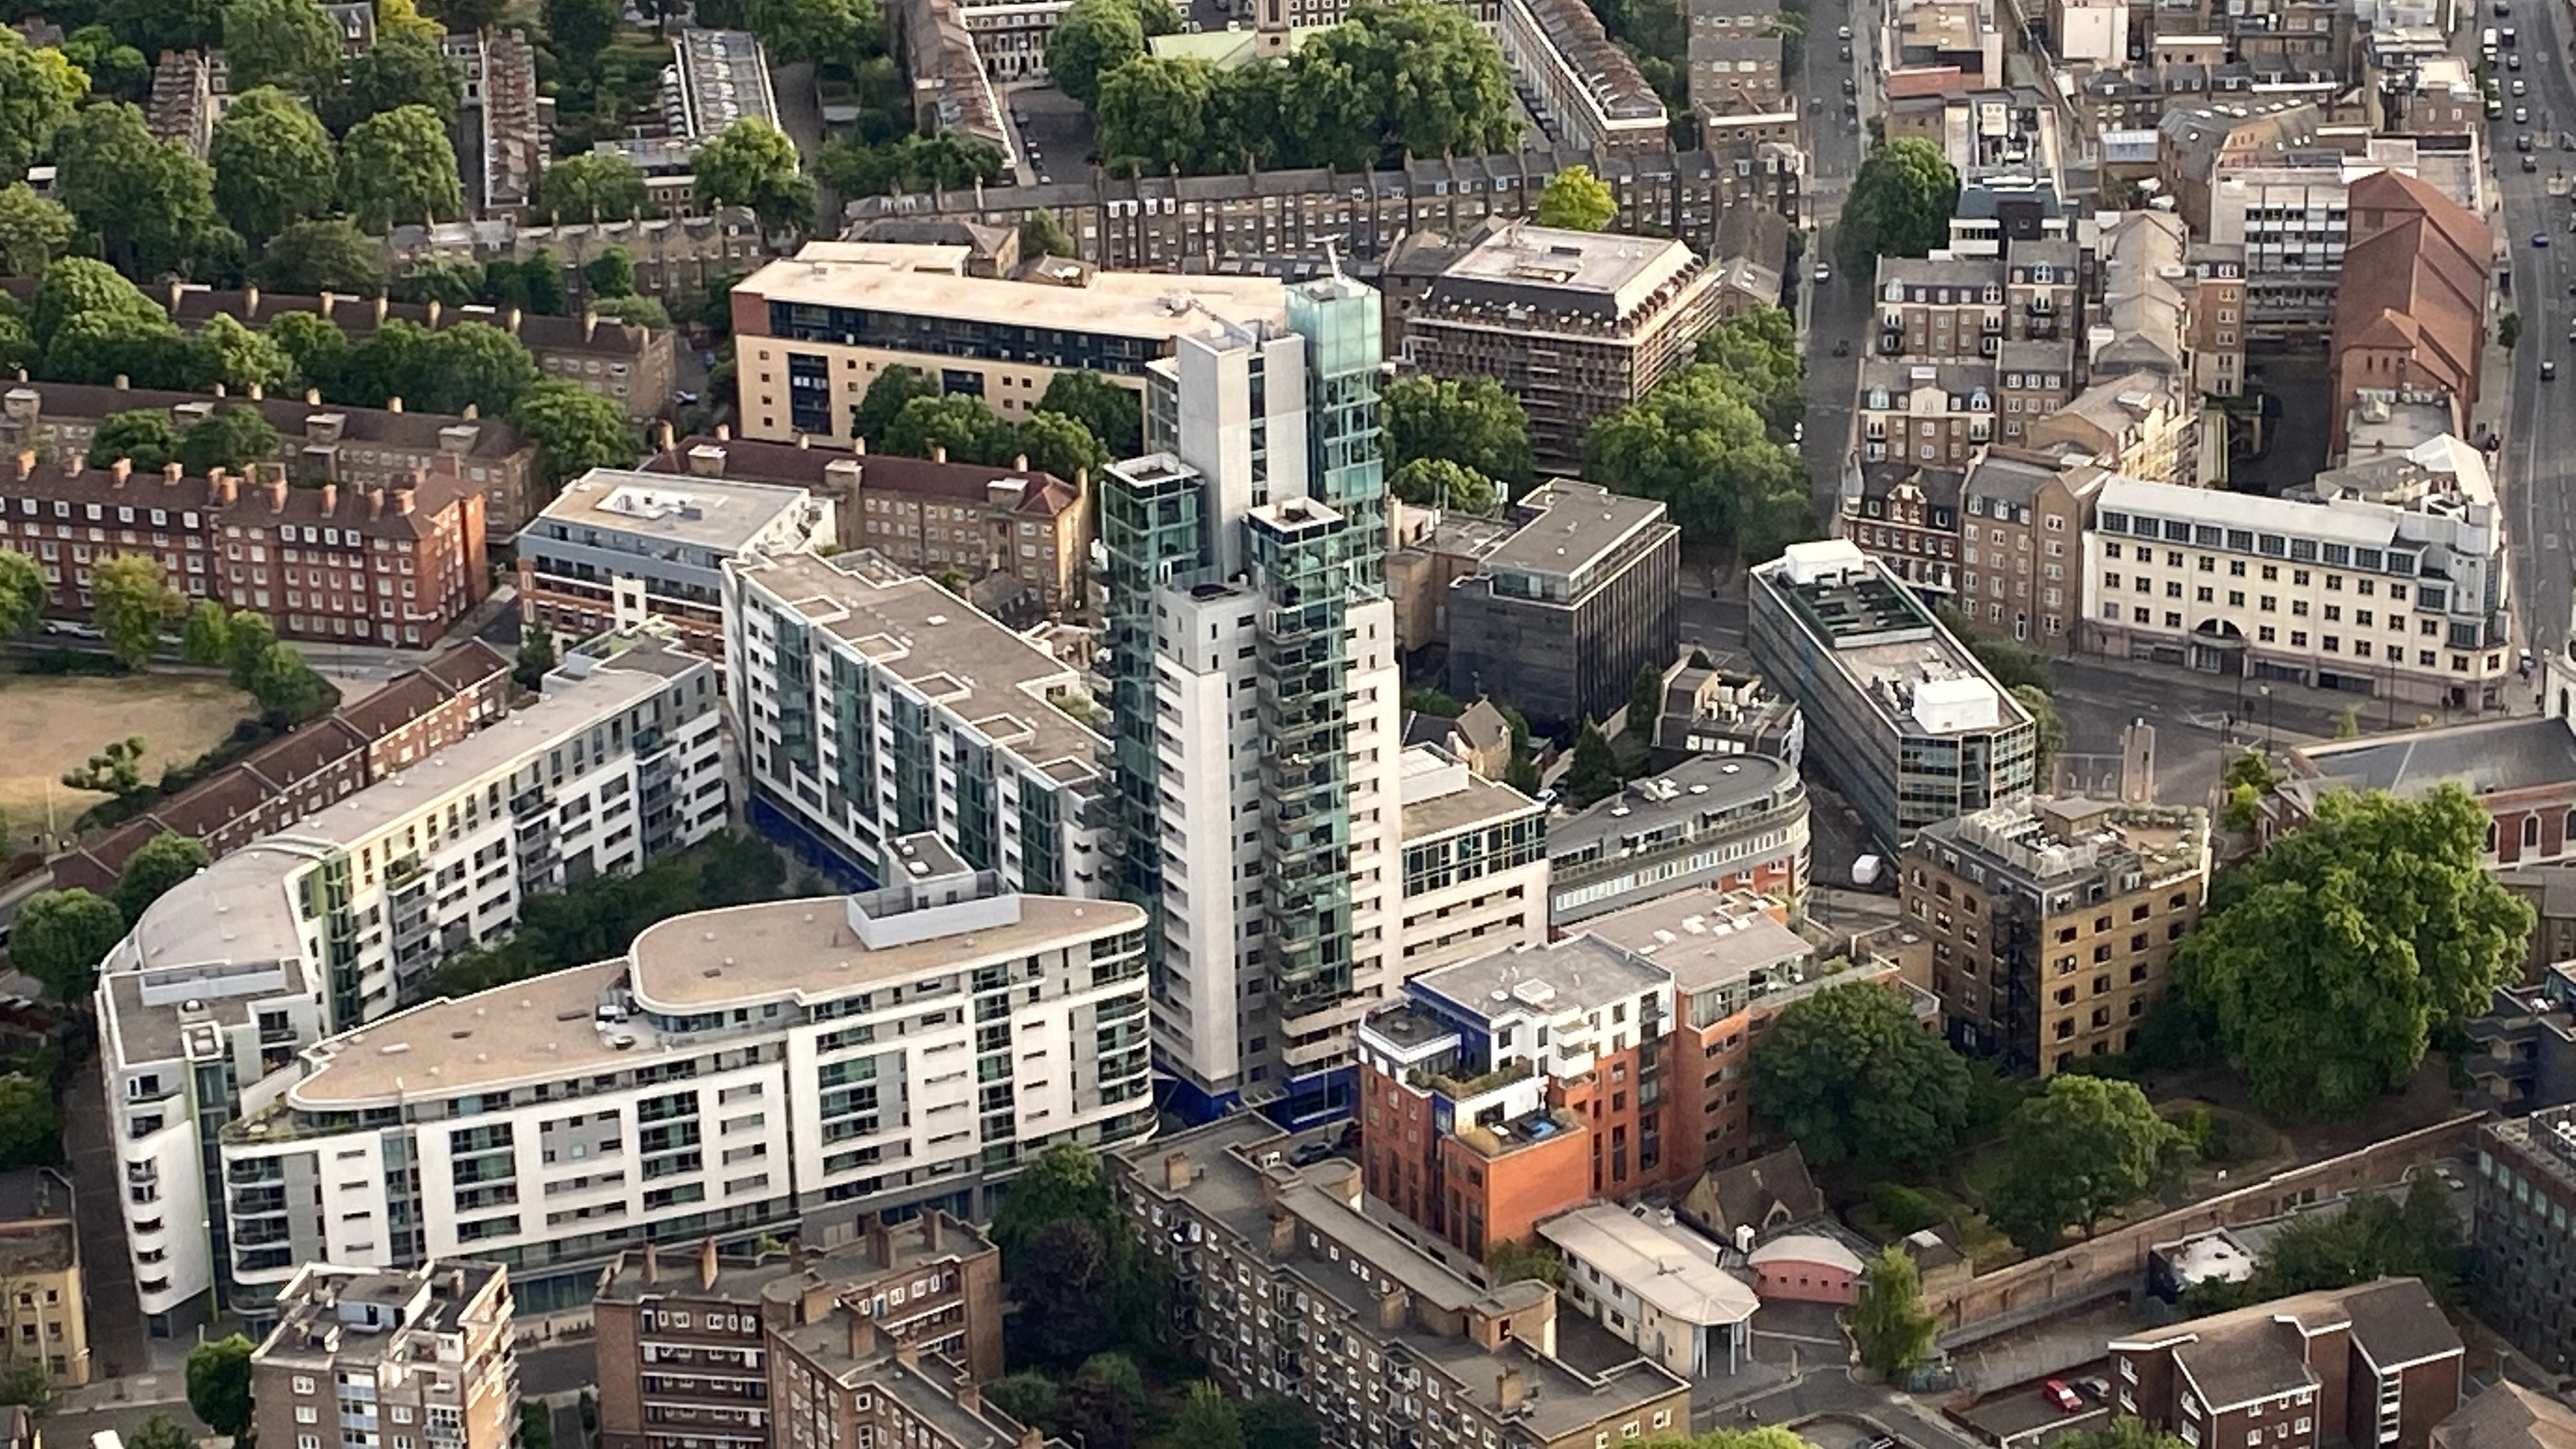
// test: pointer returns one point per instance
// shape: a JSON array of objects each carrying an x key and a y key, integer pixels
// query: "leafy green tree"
[
  {"x": 39, "y": 88},
  {"x": 207, "y": 636},
  {"x": 536, "y": 1426},
  {"x": 1208, "y": 1419},
  {"x": 536, "y": 655},
  {"x": 1096, "y": 1415},
  {"x": 1113, "y": 414},
  {"x": 273, "y": 161},
  {"x": 2348, "y": 722},
  {"x": 147, "y": 351},
  {"x": 2082, "y": 1149},
  {"x": 610, "y": 274},
  {"x": 33, "y": 231},
  {"x": 247, "y": 638},
  {"x": 116, "y": 70},
  {"x": 1645, "y": 702},
  {"x": 401, "y": 70},
  {"x": 24, "y": 1381},
  {"x": 131, "y": 601},
  {"x": 288, "y": 688},
  {"x": 142, "y": 436},
  {"x": 1577, "y": 200},
  {"x": 1064, "y": 1289},
  {"x": 546, "y": 295},
  {"x": 320, "y": 352},
  {"x": 1700, "y": 445},
  {"x": 232, "y": 354},
  {"x": 580, "y": 29},
  {"x": 1899, "y": 204},
  {"x": 842, "y": 30},
  {"x": 2369, "y": 1238},
  {"x": 1890, "y": 1327},
  {"x": 1063, "y": 1181},
  {"x": 2329, "y": 959},
  {"x": 592, "y": 186},
  {"x": 219, "y": 1384},
  {"x": 2509, "y": 330},
  {"x": 886, "y": 397},
  {"x": 1469, "y": 421},
  {"x": 22, "y": 594},
  {"x": 1041, "y": 235},
  {"x": 231, "y": 438},
  {"x": 2046, "y": 725},
  {"x": 646, "y": 312},
  {"x": 464, "y": 15},
  {"x": 151, "y": 204},
  {"x": 2252, "y": 768},
  {"x": 736, "y": 870},
  {"x": 449, "y": 281},
  {"x": 1758, "y": 347},
  {"x": 78, "y": 286},
  {"x": 575, "y": 429},
  {"x": 1026, "y": 1396},
  {"x": 399, "y": 167},
  {"x": 953, "y": 424},
  {"x": 154, "y": 26},
  {"x": 1411, "y": 76},
  {"x": 281, "y": 42},
  {"x": 2125, "y": 1431},
  {"x": 59, "y": 938},
  {"x": 1594, "y": 773},
  {"x": 1154, "y": 115},
  {"x": 31, "y": 1128},
  {"x": 1089, "y": 43},
  {"x": 1850, "y": 1074},
  {"x": 155, "y": 866},
  {"x": 1276, "y": 1421},
  {"x": 1440, "y": 483},
  {"x": 326, "y": 255},
  {"x": 752, "y": 163},
  {"x": 432, "y": 371},
  {"x": 1511, "y": 1261}
]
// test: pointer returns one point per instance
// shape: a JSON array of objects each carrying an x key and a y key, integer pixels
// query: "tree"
[
  {"x": 247, "y": 638},
  {"x": 1510, "y": 1261},
  {"x": 736, "y": 870},
  {"x": 2329, "y": 958},
  {"x": 319, "y": 351},
  {"x": 1899, "y": 204},
  {"x": 117, "y": 769},
  {"x": 1041, "y": 235},
  {"x": 328, "y": 255},
  {"x": 39, "y": 87},
  {"x": 399, "y": 167},
  {"x": 131, "y": 601},
  {"x": 116, "y": 70},
  {"x": 151, "y": 204},
  {"x": 536, "y": 1426},
  {"x": 288, "y": 688},
  {"x": 1645, "y": 702},
  {"x": 1700, "y": 444},
  {"x": 1469, "y": 421},
  {"x": 78, "y": 286},
  {"x": 580, "y": 29},
  {"x": 843, "y": 30},
  {"x": 546, "y": 296},
  {"x": 1027, "y": 1396},
  {"x": 33, "y": 231},
  {"x": 2125, "y": 1431},
  {"x": 281, "y": 42},
  {"x": 1096, "y": 1415},
  {"x": 1113, "y": 414},
  {"x": 1208, "y": 1419},
  {"x": 1276, "y": 1421},
  {"x": 448, "y": 281},
  {"x": 2082, "y": 1149},
  {"x": 646, "y": 312},
  {"x": 142, "y": 437},
  {"x": 154, "y": 26},
  {"x": 1577, "y": 200},
  {"x": 953, "y": 424},
  {"x": 1594, "y": 774},
  {"x": 155, "y": 866},
  {"x": 1063, "y": 1288},
  {"x": 230, "y": 353},
  {"x": 232, "y": 439},
  {"x": 886, "y": 397},
  {"x": 59, "y": 938},
  {"x": 1849, "y": 1073},
  {"x": 402, "y": 70},
  {"x": 2509, "y": 330},
  {"x": 462, "y": 15},
  {"x": 147, "y": 351},
  {"x": 1090, "y": 42},
  {"x": 752, "y": 163},
  {"x": 575, "y": 429},
  {"x": 219, "y": 1384},
  {"x": 207, "y": 636},
  {"x": 1890, "y": 1327},
  {"x": 1064, "y": 1181},
  {"x": 1758, "y": 347},
  {"x": 31, "y": 1129},
  {"x": 2370, "y": 1238},
  {"x": 24, "y": 1381},
  {"x": 592, "y": 186},
  {"x": 434, "y": 371},
  {"x": 536, "y": 655},
  {"x": 1154, "y": 115},
  {"x": 610, "y": 274},
  {"x": 1439, "y": 483},
  {"x": 22, "y": 594},
  {"x": 2046, "y": 726},
  {"x": 1411, "y": 76},
  {"x": 2348, "y": 722}
]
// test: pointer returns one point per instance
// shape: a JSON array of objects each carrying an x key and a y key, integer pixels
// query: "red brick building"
[
  {"x": 390, "y": 566},
  {"x": 2372, "y": 1367},
  {"x": 316, "y": 766}
]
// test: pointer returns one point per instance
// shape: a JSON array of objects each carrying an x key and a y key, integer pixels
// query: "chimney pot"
[
  {"x": 435, "y": 307},
  {"x": 863, "y": 1335},
  {"x": 707, "y": 1263},
  {"x": 1176, "y": 1171},
  {"x": 402, "y": 501},
  {"x": 472, "y": 411},
  {"x": 393, "y": 404},
  {"x": 257, "y": 392},
  {"x": 513, "y": 319},
  {"x": 1508, "y": 1391},
  {"x": 173, "y": 472},
  {"x": 858, "y": 445},
  {"x": 381, "y": 301},
  {"x": 724, "y": 432},
  {"x": 123, "y": 382},
  {"x": 330, "y": 499},
  {"x": 277, "y": 496},
  {"x": 652, "y": 1265},
  {"x": 939, "y": 452},
  {"x": 589, "y": 324},
  {"x": 313, "y": 397},
  {"x": 804, "y": 441},
  {"x": 250, "y": 304},
  {"x": 1020, "y": 463}
]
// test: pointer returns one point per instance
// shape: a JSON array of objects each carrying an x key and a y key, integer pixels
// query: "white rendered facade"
[
  {"x": 736, "y": 1070},
  {"x": 874, "y": 704},
  {"x": 1475, "y": 872},
  {"x": 204, "y": 1003}
]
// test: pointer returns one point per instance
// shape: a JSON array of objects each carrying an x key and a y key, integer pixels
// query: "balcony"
[{"x": 1501, "y": 1139}]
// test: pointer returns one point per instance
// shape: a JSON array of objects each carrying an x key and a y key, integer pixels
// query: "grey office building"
[
  {"x": 1900, "y": 716},
  {"x": 1560, "y": 614}
]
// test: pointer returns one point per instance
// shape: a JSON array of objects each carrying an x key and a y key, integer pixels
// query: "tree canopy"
[
  {"x": 280, "y": 43},
  {"x": 2080, "y": 1150},
  {"x": 398, "y": 167},
  {"x": 151, "y": 204},
  {"x": 59, "y": 938},
  {"x": 22, "y": 594},
  {"x": 1092, "y": 39},
  {"x": 2329, "y": 959},
  {"x": 39, "y": 87},
  {"x": 33, "y": 230},
  {"x": 1439, "y": 483},
  {"x": 219, "y": 1384},
  {"x": 131, "y": 601},
  {"x": 2372, "y": 1236},
  {"x": 274, "y": 163},
  {"x": 575, "y": 429},
  {"x": 1850, "y": 1073},
  {"x": 1890, "y": 1328},
  {"x": 1113, "y": 414},
  {"x": 325, "y": 255},
  {"x": 1469, "y": 421},
  {"x": 752, "y": 163},
  {"x": 1700, "y": 444},
  {"x": 1899, "y": 204},
  {"x": 593, "y": 186},
  {"x": 1577, "y": 200}
]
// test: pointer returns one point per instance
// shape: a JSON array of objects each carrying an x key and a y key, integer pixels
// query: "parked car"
[
  {"x": 2548, "y": 369},
  {"x": 1842, "y": 32},
  {"x": 2063, "y": 1397}
]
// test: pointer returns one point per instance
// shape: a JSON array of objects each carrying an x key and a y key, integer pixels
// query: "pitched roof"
[
  {"x": 409, "y": 510},
  {"x": 292, "y": 417},
  {"x": 2415, "y": 277},
  {"x": 1769, "y": 1191},
  {"x": 1042, "y": 494},
  {"x": 2509, "y": 1416},
  {"x": 2261, "y": 1350}
]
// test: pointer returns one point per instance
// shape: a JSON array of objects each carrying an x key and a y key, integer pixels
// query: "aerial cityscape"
[{"x": 1287, "y": 724}]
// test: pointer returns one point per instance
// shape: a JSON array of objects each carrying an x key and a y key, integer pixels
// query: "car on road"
[
  {"x": 2522, "y": 115},
  {"x": 2548, "y": 369},
  {"x": 2096, "y": 1385},
  {"x": 2503, "y": 9},
  {"x": 2513, "y": 61},
  {"x": 2522, "y": 142},
  {"x": 71, "y": 630},
  {"x": 2066, "y": 1399},
  {"x": 2521, "y": 87},
  {"x": 1850, "y": 87},
  {"x": 1310, "y": 1154},
  {"x": 1846, "y": 52},
  {"x": 1842, "y": 32},
  {"x": 2540, "y": 239},
  {"x": 1824, "y": 274},
  {"x": 2530, "y": 163}
]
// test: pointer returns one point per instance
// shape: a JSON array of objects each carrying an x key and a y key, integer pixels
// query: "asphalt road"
[
  {"x": 2539, "y": 457},
  {"x": 1837, "y": 310}
]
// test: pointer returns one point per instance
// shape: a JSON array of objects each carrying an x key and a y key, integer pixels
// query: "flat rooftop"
[
  {"x": 2064, "y": 840},
  {"x": 1577, "y": 973},
  {"x": 723, "y": 78},
  {"x": 1572, "y": 527},
  {"x": 1915, "y": 673},
  {"x": 718, "y": 514},
  {"x": 1706, "y": 938},
  {"x": 1654, "y": 811},
  {"x": 929, "y": 638},
  {"x": 546, "y": 1028},
  {"x": 1479, "y": 802},
  {"x": 889, "y": 279},
  {"x": 1601, "y": 273}
]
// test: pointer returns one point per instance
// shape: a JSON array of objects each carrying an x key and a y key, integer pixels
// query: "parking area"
[
  {"x": 2034, "y": 1414},
  {"x": 1056, "y": 134}
]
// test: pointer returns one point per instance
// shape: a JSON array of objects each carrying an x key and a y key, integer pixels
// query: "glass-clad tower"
[{"x": 1250, "y": 656}]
